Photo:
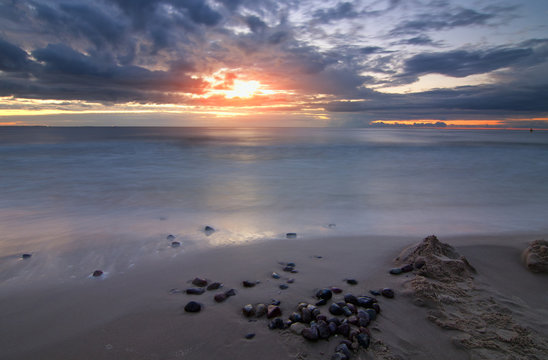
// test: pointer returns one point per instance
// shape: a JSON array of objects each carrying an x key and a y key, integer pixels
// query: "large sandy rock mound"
[{"x": 535, "y": 256}]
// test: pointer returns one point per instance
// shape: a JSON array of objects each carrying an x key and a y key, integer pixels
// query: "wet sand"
[{"x": 133, "y": 315}]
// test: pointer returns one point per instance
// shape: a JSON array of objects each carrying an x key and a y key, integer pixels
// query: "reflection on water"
[{"x": 82, "y": 191}]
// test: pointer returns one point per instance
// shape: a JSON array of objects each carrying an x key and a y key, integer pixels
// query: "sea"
[{"x": 103, "y": 195}]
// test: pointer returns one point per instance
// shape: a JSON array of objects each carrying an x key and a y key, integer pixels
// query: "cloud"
[
  {"x": 12, "y": 58},
  {"x": 343, "y": 10}
]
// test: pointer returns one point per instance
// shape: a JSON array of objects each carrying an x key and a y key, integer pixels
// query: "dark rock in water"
[
  {"x": 366, "y": 301},
  {"x": 291, "y": 235},
  {"x": 275, "y": 302},
  {"x": 311, "y": 333},
  {"x": 324, "y": 294},
  {"x": 275, "y": 275},
  {"x": 407, "y": 268},
  {"x": 261, "y": 310},
  {"x": 195, "y": 291},
  {"x": 273, "y": 311},
  {"x": 276, "y": 324},
  {"x": 336, "y": 290},
  {"x": 209, "y": 229},
  {"x": 248, "y": 310},
  {"x": 97, "y": 273},
  {"x": 26, "y": 256},
  {"x": 214, "y": 286},
  {"x": 283, "y": 286},
  {"x": 175, "y": 244},
  {"x": 323, "y": 330},
  {"x": 339, "y": 356},
  {"x": 344, "y": 329},
  {"x": 321, "y": 302},
  {"x": 352, "y": 281},
  {"x": 388, "y": 293},
  {"x": 192, "y": 307},
  {"x": 336, "y": 310},
  {"x": 349, "y": 298},
  {"x": 249, "y": 336},
  {"x": 248, "y": 284},
  {"x": 376, "y": 307},
  {"x": 220, "y": 297},
  {"x": 170, "y": 237},
  {"x": 364, "y": 340},
  {"x": 230, "y": 292},
  {"x": 372, "y": 314},
  {"x": 396, "y": 271},
  {"x": 199, "y": 282},
  {"x": 375, "y": 292},
  {"x": 342, "y": 347}
]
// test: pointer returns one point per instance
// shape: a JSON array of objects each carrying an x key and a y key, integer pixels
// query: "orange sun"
[{"x": 243, "y": 89}]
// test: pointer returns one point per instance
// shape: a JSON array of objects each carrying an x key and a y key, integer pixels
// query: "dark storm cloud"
[
  {"x": 12, "y": 58},
  {"x": 418, "y": 40}
]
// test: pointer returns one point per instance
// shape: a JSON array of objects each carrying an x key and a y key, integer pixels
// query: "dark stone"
[
  {"x": 199, "y": 282},
  {"x": 321, "y": 302},
  {"x": 290, "y": 281},
  {"x": 170, "y": 237},
  {"x": 249, "y": 336},
  {"x": 276, "y": 324},
  {"x": 220, "y": 297},
  {"x": 296, "y": 317},
  {"x": 288, "y": 268},
  {"x": 364, "y": 340},
  {"x": 353, "y": 320},
  {"x": 306, "y": 315},
  {"x": 352, "y": 281},
  {"x": 347, "y": 311},
  {"x": 372, "y": 314},
  {"x": 248, "y": 284},
  {"x": 209, "y": 229},
  {"x": 275, "y": 302},
  {"x": 349, "y": 298},
  {"x": 283, "y": 286},
  {"x": 366, "y": 301},
  {"x": 339, "y": 356},
  {"x": 318, "y": 256},
  {"x": 291, "y": 235},
  {"x": 292, "y": 264},
  {"x": 376, "y": 307},
  {"x": 324, "y": 294},
  {"x": 331, "y": 226},
  {"x": 193, "y": 307},
  {"x": 407, "y": 268},
  {"x": 323, "y": 330},
  {"x": 174, "y": 291},
  {"x": 273, "y": 311},
  {"x": 363, "y": 321},
  {"x": 248, "y": 310},
  {"x": 336, "y": 290},
  {"x": 335, "y": 320},
  {"x": 336, "y": 310},
  {"x": 230, "y": 292},
  {"x": 26, "y": 256},
  {"x": 344, "y": 329},
  {"x": 275, "y": 275},
  {"x": 352, "y": 307},
  {"x": 311, "y": 333},
  {"x": 388, "y": 293},
  {"x": 214, "y": 286},
  {"x": 195, "y": 291},
  {"x": 261, "y": 310},
  {"x": 175, "y": 244},
  {"x": 342, "y": 347},
  {"x": 375, "y": 292},
  {"x": 321, "y": 317},
  {"x": 332, "y": 327},
  {"x": 293, "y": 271},
  {"x": 396, "y": 271},
  {"x": 97, "y": 273}
]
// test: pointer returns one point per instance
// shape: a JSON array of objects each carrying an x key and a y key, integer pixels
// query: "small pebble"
[
  {"x": 248, "y": 310},
  {"x": 97, "y": 273},
  {"x": 170, "y": 237},
  {"x": 275, "y": 275},
  {"x": 395, "y": 271},
  {"x": 195, "y": 291},
  {"x": 336, "y": 310},
  {"x": 318, "y": 256},
  {"x": 26, "y": 256},
  {"x": 283, "y": 286},
  {"x": 336, "y": 290},
  {"x": 388, "y": 293},
  {"x": 220, "y": 297},
  {"x": 273, "y": 311},
  {"x": 248, "y": 284},
  {"x": 214, "y": 286},
  {"x": 175, "y": 244},
  {"x": 230, "y": 292},
  {"x": 275, "y": 302},
  {"x": 192, "y": 307},
  {"x": 199, "y": 282},
  {"x": 209, "y": 229},
  {"x": 292, "y": 264},
  {"x": 324, "y": 294},
  {"x": 250, "y": 336},
  {"x": 351, "y": 281},
  {"x": 321, "y": 302},
  {"x": 276, "y": 324},
  {"x": 261, "y": 310},
  {"x": 311, "y": 333},
  {"x": 364, "y": 340},
  {"x": 375, "y": 292},
  {"x": 349, "y": 298},
  {"x": 291, "y": 235},
  {"x": 290, "y": 281}
]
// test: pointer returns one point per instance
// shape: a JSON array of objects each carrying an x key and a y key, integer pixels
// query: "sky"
[{"x": 363, "y": 63}]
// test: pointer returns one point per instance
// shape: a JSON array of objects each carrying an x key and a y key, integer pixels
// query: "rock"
[
  {"x": 346, "y": 311},
  {"x": 283, "y": 286},
  {"x": 336, "y": 290},
  {"x": 195, "y": 291},
  {"x": 352, "y": 281},
  {"x": 230, "y": 292},
  {"x": 193, "y": 307},
  {"x": 170, "y": 237},
  {"x": 290, "y": 281},
  {"x": 364, "y": 340},
  {"x": 26, "y": 256},
  {"x": 310, "y": 333},
  {"x": 318, "y": 256},
  {"x": 249, "y": 336},
  {"x": 339, "y": 356},
  {"x": 336, "y": 310},
  {"x": 209, "y": 230},
  {"x": 535, "y": 256},
  {"x": 293, "y": 271},
  {"x": 321, "y": 302},
  {"x": 332, "y": 327},
  {"x": 288, "y": 268},
  {"x": 395, "y": 271},
  {"x": 297, "y": 328},
  {"x": 344, "y": 329},
  {"x": 273, "y": 311},
  {"x": 366, "y": 301},
  {"x": 321, "y": 317},
  {"x": 335, "y": 320},
  {"x": 372, "y": 314},
  {"x": 276, "y": 324},
  {"x": 175, "y": 244},
  {"x": 323, "y": 330},
  {"x": 214, "y": 286},
  {"x": 292, "y": 264},
  {"x": 291, "y": 235},
  {"x": 388, "y": 293},
  {"x": 306, "y": 315},
  {"x": 248, "y": 284},
  {"x": 349, "y": 298},
  {"x": 199, "y": 282},
  {"x": 363, "y": 321},
  {"x": 324, "y": 294},
  {"x": 248, "y": 310},
  {"x": 220, "y": 297},
  {"x": 275, "y": 275},
  {"x": 407, "y": 268},
  {"x": 97, "y": 273},
  {"x": 295, "y": 317},
  {"x": 275, "y": 302},
  {"x": 331, "y": 226},
  {"x": 375, "y": 292},
  {"x": 353, "y": 320},
  {"x": 342, "y": 347},
  {"x": 261, "y": 310},
  {"x": 376, "y": 307}
]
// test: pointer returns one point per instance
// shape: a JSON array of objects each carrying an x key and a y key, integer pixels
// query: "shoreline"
[{"x": 134, "y": 316}]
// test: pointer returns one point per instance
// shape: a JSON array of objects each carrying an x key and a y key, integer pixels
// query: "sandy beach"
[{"x": 139, "y": 314}]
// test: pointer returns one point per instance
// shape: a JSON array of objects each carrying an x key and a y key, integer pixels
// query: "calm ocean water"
[{"x": 121, "y": 190}]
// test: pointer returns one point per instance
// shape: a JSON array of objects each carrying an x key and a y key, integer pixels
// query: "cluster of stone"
[{"x": 201, "y": 285}]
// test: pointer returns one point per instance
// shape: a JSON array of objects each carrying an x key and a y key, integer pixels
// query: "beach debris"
[
  {"x": 199, "y": 282},
  {"x": 535, "y": 256},
  {"x": 248, "y": 310},
  {"x": 249, "y": 336},
  {"x": 26, "y": 256},
  {"x": 193, "y": 307},
  {"x": 170, "y": 237},
  {"x": 291, "y": 235},
  {"x": 195, "y": 291},
  {"x": 249, "y": 284},
  {"x": 351, "y": 281},
  {"x": 97, "y": 273}
]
